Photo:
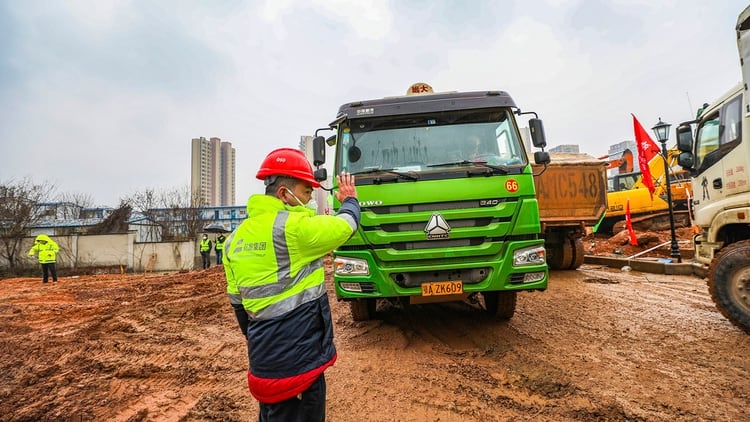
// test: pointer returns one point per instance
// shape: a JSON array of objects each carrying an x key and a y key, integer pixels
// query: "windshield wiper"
[
  {"x": 501, "y": 169},
  {"x": 390, "y": 171}
]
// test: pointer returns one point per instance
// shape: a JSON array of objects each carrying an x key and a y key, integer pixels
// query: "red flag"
[
  {"x": 647, "y": 150},
  {"x": 629, "y": 224}
]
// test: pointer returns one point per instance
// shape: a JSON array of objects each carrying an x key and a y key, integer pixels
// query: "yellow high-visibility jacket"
[{"x": 47, "y": 249}]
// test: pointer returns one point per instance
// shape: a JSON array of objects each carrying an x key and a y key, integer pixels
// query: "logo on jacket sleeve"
[{"x": 437, "y": 227}]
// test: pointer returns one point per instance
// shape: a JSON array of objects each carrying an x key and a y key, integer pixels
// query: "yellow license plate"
[{"x": 442, "y": 288}]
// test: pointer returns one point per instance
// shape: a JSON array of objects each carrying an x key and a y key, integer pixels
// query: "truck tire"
[
  {"x": 577, "y": 260},
  {"x": 500, "y": 304},
  {"x": 560, "y": 255},
  {"x": 729, "y": 283},
  {"x": 362, "y": 309}
]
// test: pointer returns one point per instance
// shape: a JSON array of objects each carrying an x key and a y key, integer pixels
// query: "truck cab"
[{"x": 716, "y": 150}]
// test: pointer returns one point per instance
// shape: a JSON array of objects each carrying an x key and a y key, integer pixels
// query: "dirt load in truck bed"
[{"x": 599, "y": 344}]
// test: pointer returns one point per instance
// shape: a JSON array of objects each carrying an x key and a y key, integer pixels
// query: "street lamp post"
[{"x": 661, "y": 130}]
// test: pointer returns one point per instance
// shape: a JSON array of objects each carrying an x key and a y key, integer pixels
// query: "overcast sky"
[{"x": 103, "y": 97}]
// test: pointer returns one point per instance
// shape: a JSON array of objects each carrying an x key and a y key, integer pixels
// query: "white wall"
[{"x": 116, "y": 250}]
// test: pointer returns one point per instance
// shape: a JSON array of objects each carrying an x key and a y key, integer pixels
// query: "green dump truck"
[{"x": 449, "y": 208}]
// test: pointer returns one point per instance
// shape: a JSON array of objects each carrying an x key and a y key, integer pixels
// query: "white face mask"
[{"x": 311, "y": 204}]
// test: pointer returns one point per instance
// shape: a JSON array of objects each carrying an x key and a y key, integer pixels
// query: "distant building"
[
  {"x": 65, "y": 218},
  {"x": 621, "y": 157},
  {"x": 212, "y": 172},
  {"x": 620, "y": 147},
  {"x": 568, "y": 148},
  {"x": 525, "y": 137}
]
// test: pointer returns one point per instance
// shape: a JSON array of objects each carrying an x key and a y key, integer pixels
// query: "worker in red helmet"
[{"x": 275, "y": 282}]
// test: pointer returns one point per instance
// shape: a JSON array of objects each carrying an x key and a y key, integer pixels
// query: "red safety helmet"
[{"x": 287, "y": 162}]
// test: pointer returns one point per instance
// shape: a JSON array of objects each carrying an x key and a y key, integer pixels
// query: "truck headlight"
[
  {"x": 350, "y": 266},
  {"x": 529, "y": 256}
]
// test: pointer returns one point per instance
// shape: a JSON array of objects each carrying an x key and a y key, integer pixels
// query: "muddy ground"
[{"x": 599, "y": 345}]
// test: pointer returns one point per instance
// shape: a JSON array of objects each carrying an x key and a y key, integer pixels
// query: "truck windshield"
[{"x": 431, "y": 142}]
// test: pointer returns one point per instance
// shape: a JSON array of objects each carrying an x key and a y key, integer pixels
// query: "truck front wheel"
[
  {"x": 362, "y": 309},
  {"x": 500, "y": 304},
  {"x": 729, "y": 283}
]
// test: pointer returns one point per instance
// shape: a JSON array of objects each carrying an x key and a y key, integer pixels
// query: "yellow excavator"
[{"x": 647, "y": 212}]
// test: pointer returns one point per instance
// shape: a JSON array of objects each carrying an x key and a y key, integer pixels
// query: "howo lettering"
[{"x": 449, "y": 210}]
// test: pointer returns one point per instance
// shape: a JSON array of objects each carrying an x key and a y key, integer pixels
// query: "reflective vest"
[
  {"x": 205, "y": 245},
  {"x": 275, "y": 256},
  {"x": 220, "y": 243}
]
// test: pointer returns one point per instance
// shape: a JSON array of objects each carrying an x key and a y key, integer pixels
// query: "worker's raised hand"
[{"x": 346, "y": 187}]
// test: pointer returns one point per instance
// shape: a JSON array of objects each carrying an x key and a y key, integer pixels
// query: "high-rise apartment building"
[{"x": 212, "y": 172}]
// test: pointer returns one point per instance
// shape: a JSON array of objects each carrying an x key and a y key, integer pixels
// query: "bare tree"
[
  {"x": 186, "y": 218},
  {"x": 18, "y": 213},
  {"x": 78, "y": 201},
  {"x": 117, "y": 222},
  {"x": 170, "y": 209}
]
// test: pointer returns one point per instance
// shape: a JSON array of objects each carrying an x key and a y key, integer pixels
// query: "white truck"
[{"x": 716, "y": 150}]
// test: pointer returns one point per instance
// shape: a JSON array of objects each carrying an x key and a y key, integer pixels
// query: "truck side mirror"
[
  {"x": 319, "y": 151},
  {"x": 541, "y": 157},
  {"x": 685, "y": 138},
  {"x": 331, "y": 141},
  {"x": 685, "y": 159},
  {"x": 537, "y": 133},
  {"x": 320, "y": 175}
]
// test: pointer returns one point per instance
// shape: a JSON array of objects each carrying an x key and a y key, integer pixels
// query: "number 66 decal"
[{"x": 511, "y": 185}]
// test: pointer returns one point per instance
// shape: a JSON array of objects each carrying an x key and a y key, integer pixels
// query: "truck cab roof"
[{"x": 424, "y": 103}]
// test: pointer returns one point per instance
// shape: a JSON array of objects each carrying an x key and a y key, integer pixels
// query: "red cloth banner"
[
  {"x": 629, "y": 224},
  {"x": 647, "y": 150}
]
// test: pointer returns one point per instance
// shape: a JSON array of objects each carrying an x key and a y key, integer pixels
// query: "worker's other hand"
[{"x": 346, "y": 187}]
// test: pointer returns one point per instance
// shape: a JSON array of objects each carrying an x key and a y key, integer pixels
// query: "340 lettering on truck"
[
  {"x": 449, "y": 208},
  {"x": 718, "y": 158}
]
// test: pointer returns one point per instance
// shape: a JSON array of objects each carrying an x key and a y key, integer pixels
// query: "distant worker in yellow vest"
[
  {"x": 275, "y": 281},
  {"x": 47, "y": 250},
  {"x": 206, "y": 251},
  {"x": 219, "y": 247}
]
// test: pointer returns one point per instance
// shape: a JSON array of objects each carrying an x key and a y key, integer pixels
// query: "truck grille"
[{"x": 436, "y": 206}]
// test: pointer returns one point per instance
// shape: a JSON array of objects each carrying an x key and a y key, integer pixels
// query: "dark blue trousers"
[
  {"x": 311, "y": 408},
  {"x": 47, "y": 269}
]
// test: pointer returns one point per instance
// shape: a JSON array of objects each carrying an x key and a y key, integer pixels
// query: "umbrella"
[{"x": 215, "y": 228}]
